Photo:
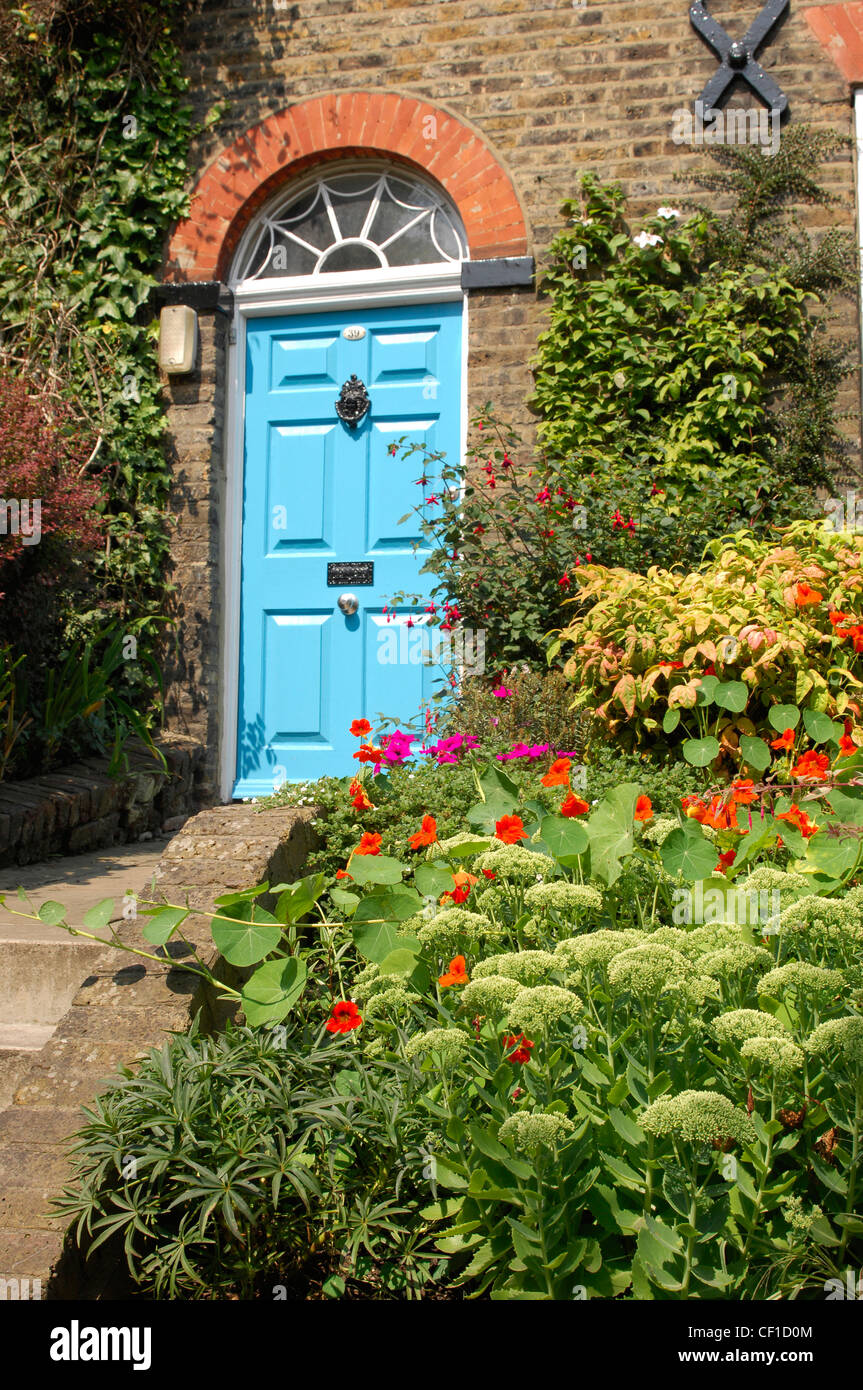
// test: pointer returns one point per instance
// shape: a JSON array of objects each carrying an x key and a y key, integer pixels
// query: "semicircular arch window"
[{"x": 350, "y": 222}]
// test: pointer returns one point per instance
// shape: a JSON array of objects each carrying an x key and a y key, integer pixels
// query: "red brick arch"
[{"x": 246, "y": 174}]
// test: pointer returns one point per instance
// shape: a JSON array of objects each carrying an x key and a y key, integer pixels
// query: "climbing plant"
[{"x": 94, "y": 140}]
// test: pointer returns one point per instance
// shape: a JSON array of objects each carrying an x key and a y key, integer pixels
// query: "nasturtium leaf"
[
  {"x": 495, "y": 783},
  {"x": 670, "y": 720},
  {"x": 52, "y": 912},
  {"x": 848, "y": 806},
  {"x": 296, "y": 899},
  {"x": 468, "y": 849},
  {"x": 433, "y": 879},
  {"x": 732, "y": 695},
  {"x": 399, "y": 962},
  {"x": 610, "y": 828},
  {"x": 832, "y": 854},
  {"x": 161, "y": 926},
  {"x": 273, "y": 990},
  {"x": 782, "y": 717},
  {"x": 247, "y": 937},
  {"x": 395, "y": 904},
  {"x": 375, "y": 868},
  {"x": 95, "y": 918},
  {"x": 756, "y": 753},
  {"x": 688, "y": 852},
  {"x": 486, "y": 813},
  {"x": 243, "y": 895},
  {"x": 707, "y": 689},
  {"x": 820, "y": 727},
  {"x": 377, "y": 940},
  {"x": 698, "y": 752},
  {"x": 565, "y": 838},
  {"x": 345, "y": 900}
]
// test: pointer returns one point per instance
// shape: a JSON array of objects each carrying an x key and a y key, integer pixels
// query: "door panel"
[{"x": 315, "y": 493}]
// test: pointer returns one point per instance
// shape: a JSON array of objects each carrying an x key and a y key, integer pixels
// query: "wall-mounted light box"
[{"x": 178, "y": 339}]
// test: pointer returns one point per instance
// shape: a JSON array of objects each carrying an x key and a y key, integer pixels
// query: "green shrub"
[{"x": 779, "y": 618}]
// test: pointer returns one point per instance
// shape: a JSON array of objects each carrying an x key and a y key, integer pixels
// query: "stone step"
[
  {"x": 39, "y": 978},
  {"x": 24, "y": 1037},
  {"x": 14, "y": 1062}
]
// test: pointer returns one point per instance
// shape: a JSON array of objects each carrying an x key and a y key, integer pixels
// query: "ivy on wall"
[{"x": 94, "y": 139}]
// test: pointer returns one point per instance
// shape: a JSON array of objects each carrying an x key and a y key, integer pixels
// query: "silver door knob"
[{"x": 349, "y": 603}]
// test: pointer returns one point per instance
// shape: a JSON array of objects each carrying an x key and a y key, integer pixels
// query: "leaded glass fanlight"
[{"x": 353, "y": 221}]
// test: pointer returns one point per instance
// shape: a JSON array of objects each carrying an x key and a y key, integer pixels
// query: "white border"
[
  {"x": 858, "y": 136},
  {"x": 348, "y": 290}
]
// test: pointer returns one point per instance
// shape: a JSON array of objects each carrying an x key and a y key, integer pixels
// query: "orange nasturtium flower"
[
  {"x": 368, "y": 754},
  {"x": 795, "y": 816},
  {"x": 805, "y": 596},
  {"x": 359, "y": 797},
  {"x": 457, "y": 973},
  {"x": 811, "y": 767},
  {"x": 369, "y": 844},
  {"x": 460, "y": 891},
  {"x": 847, "y": 746},
  {"x": 643, "y": 808},
  {"x": 361, "y": 728},
  {"x": 784, "y": 741},
  {"x": 573, "y": 805},
  {"x": 426, "y": 835},
  {"x": 510, "y": 829},
  {"x": 741, "y": 791},
  {"x": 344, "y": 1017},
  {"x": 343, "y": 873},
  {"x": 558, "y": 773},
  {"x": 725, "y": 861}
]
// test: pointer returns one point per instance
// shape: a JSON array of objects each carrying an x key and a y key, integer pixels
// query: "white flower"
[
  {"x": 668, "y": 213},
  {"x": 647, "y": 239}
]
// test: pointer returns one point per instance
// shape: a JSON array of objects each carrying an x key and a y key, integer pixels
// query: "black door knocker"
[{"x": 353, "y": 402}]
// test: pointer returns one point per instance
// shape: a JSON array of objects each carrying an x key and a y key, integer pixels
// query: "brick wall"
[{"x": 552, "y": 87}]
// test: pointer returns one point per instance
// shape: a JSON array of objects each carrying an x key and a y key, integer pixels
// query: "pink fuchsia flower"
[
  {"x": 446, "y": 750},
  {"x": 501, "y": 693},
  {"x": 397, "y": 747},
  {"x": 521, "y": 750}
]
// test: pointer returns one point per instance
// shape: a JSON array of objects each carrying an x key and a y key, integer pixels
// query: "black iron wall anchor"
[
  {"x": 353, "y": 402},
  {"x": 737, "y": 57}
]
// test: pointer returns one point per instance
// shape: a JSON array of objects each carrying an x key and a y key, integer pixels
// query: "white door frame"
[{"x": 349, "y": 290}]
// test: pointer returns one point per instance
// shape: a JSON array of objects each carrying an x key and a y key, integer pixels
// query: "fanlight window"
[{"x": 356, "y": 221}]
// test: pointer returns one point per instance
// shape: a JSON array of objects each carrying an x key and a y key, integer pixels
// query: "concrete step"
[
  {"x": 13, "y": 1066},
  {"x": 24, "y": 1037},
  {"x": 40, "y": 978}
]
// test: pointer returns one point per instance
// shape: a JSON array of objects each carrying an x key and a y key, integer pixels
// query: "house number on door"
[{"x": 354, "y": 332}]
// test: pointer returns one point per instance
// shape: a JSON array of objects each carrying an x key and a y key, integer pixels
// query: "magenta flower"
[
  {"x": 446, "y": 750},
  {"x": 501, "y": 693},
  {"x": 397, "y": 747},
  {"x": 520, "y": 750}
]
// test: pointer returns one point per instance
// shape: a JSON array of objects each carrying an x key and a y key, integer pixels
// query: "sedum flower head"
[
  {"x": 595, "y": 950},
  {"x": 800, "y": 976},
  {"x": 528, "y": 967},
  {"x": 536, "y": 1009},
  {"x": 568, "y": 898},
  {"x": 447, "y": 1045},
  {"x": 678, "y": 940},
  {"x": 738, "y": 1025},
  {"x": 842, "y": 1036},
  {"x": 777, "y": 1055},
  {"x": 733, "y": 960},
  {"x": 532, "y": 1130},
  {"x": 648, "y": 970},
  {"x": 464, "y": 837},
  {"x": 766, "y": 878},
  {"x": 659, "y": 831},
  {"x": 489, "y": 994},
  {"x": 455, "y": 930},
  {"x": 515, "y": 864},
  {"x": 837, "y": 916},
  {"x": 397, "y": 998},
  {"x": 798, "y": 1219},
  {"x": 366, "y": 983},
  {"x": 698, "y": 1117}
]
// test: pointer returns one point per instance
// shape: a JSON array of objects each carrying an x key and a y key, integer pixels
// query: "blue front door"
[{"x": 319, "y": 495}]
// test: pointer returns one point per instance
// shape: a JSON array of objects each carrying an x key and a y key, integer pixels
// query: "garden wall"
[{"x": 82, "y": 808}]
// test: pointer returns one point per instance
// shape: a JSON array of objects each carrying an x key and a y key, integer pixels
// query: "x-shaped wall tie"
[{"x": 737, "y": 57}]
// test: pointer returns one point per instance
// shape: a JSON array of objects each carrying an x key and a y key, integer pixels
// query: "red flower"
[
  {"x": 847, "y": 746},
  {"x": 344, "y": 1018},
  {"x": 462, "y": 884},
  {"x": 573, "y": 805},
  {"x": 457, "y": 974},
  {"x": 523, "y": 1047},
  {"x": 811, "y": 767},
  {"x": 805, "y": 596},
  {"x": 369, "y": 844},
  {"x": 784, "y": 741},
  {"x": 343, "y": 873},
  {"x": 358, "y": 796},
  {"x": 489, "y": 873},
  {"x": 426, "y": 835},
  {"x": 361, "y": 728},
  {"x": 799, "y": 818},
  {"x": 510, "y": 829},
  {"x": 368, "y": 754},
  {"x": 725, "y": 861},
  {"x": 558, "y": 773},
  {"x": 741, "y": 791},
  {"x": 563, "y": 583},
  {"x": 643, "y": 808},
  {"x": 836, "y": 617}
]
